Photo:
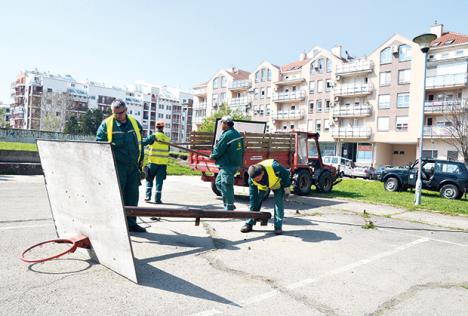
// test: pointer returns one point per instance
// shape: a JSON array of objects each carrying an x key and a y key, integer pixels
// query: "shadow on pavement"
[{"x": 156, "y": 278}]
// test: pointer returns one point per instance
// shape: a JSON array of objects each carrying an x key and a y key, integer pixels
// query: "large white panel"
[{"x": 85, "y": 198}]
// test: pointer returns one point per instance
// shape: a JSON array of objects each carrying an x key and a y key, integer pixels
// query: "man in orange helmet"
[{"x": 158, "y": 157}]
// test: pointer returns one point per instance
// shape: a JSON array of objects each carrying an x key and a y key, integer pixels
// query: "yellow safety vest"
[
  {"x": 110, "y": 127},
  {"x": 158, "y": 153},
  {"x": 274, "y": 182}
]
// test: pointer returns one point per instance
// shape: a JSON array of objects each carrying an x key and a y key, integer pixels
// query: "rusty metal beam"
[{"x": 188, "y": 212}]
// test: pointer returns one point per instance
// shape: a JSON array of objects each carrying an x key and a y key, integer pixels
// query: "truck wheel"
[
  {"x": 325, "y": 182},
  {"x": 214, "y": 188},
  {"x": 302, "y": 182},
  {"x": 449, "y": 191},
  {"x": 391, "y": 184}
]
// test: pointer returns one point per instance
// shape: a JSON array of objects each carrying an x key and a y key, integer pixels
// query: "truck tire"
[
  {"x": 325, "y": 182},
  {"x": 302, "y": 182},
  {"x": 391, "y": 184},
  {"x": 450, "y": 191},
  {"x": 214, "y": 188}
]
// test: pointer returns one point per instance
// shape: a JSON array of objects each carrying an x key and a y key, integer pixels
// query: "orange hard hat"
[{"x": 160, "y": 124}]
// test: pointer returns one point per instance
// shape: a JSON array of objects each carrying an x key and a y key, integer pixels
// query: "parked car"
[
  {"x": 344, "y": 166},
  {"x": 363, "y": 172},
  {"x": 379, "y": 171},
  {"x": 450, "y": 178}
]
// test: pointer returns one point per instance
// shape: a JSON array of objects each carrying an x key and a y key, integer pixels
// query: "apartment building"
[
  {"x": 367, "y": 109},
  {"x": 46, "y": 101},
  {"x": 5, "y": 114}
]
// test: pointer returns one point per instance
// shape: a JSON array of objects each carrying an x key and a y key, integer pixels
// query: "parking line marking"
[
  {"x": 23, "y": 227},
  {"x": 433, "y": 239},
  {"x": 208, "y": 313}
]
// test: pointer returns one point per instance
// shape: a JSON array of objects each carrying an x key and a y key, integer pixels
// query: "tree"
[
  {"x": 53, "y": 111},
  {"x": 3, "y": 123},
  {"x": 72, "y": 126},
  {"x": 208, "y": 124},
  {"x": 457, "y": 118},
  {"x": 89, "y": 122}
]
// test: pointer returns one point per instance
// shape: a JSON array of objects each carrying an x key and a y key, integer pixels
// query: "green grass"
[
  {"x": 18, "y": 146},
  {"x": 179, "y": 167},
  {"x": 374, "y": 192}
]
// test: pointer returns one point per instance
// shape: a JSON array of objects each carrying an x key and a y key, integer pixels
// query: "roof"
[
  {"x": 450, "y": 38},
  {"x": 295, "y": 65},
  {"x": 239, "y": 74}
]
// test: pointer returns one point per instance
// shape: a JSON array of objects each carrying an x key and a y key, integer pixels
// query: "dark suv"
[{"x": 450, "y": 178}]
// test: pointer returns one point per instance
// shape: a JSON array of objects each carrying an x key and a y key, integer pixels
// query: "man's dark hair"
[
  {"x": 118, "y": 103},
  {"x": 255, "y": 170},
  {"x": 230, "y": 124}
]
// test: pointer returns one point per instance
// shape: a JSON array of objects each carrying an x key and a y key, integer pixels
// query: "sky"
[{"x": 181, "y": 43}]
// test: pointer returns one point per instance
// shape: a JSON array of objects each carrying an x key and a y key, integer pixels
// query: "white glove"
[{"x": 287, "y": 192}]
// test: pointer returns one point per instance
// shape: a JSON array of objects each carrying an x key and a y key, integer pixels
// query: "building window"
[
  {"x": 402, "y": 123},
  {"x": 264, "y": 74},
  {"x": 404, "y": 76},
  {"x": 329, "y": 65},
  {"x": 257, "y": 76},
  {"x": 215, "y": 83},
  {"x": 385, "y": 78},
  {"x": 319, "y": 86},
  {"x": 223, "y": 82},
  {"x": 404, "y": 53},
  {"x": 326, "y": 126},
  {"x": 312, "y": 87},
  {"x": 403, "y": 100},
  {"x": 268, "y": 92},
  {"x": 429, "y": 154},
  {"x": 452, "y": 155},
  {"x": 386, "y": 56},
  {"x": 256, "y": 93},
  {"x": 268, "y": 74},
  {"x": 311, "y": 107},
  {"x": 321, "y": 65},
  {"x": 327, "y": 106},
  {"x": 262, "y": 93},
  {"x": 364, "y": 152},
  {"x": 328, "y": 85},
  {"x": 383, "y": 124},
  {"x": 319, "y": 106},
  {"x": 384, "y": 101},
  {"x": 318, "y": 126}
]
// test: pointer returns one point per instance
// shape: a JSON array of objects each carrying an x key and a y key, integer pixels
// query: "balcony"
[
  {"x": 199, "y": 92},
  {"x": 200, "y": 106},
  {"x": 287, "y": 115},
  {"x": 438, "y": 131},
  {"x": 353, "y": 90},
  {"x": 289, "y": 81},
  {"x": 445, "y": 106},
  {"x": 352, "y": 132},
  {"x": 240, "y": 85},
  {"x": 354, "y": 68},
  {"x": 292, "y": 96},
  {"x": 447, "y": 81},
  {"x": 235, "y": 102},
  {"x": 353, "y": 111}
]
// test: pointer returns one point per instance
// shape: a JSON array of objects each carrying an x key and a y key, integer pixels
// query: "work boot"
[
  {"x": 147, "y": 199},
  {"x": 137, "y": 229},
  {"x": 278, "y": 231},
  {"x": 246, "y": 228},
  {"x": 158, "y": 202},
  {"x": 157, "y": 219}
]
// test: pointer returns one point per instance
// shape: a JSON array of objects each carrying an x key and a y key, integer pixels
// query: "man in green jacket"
[
  {"x": 268, "y": 174},
  {"x": 228, "y": 154},
  {"x": 124, "y": 134}
]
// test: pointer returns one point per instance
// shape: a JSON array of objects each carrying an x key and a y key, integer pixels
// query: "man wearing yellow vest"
[
  {"x": 158, "y": 156},
  {"x": 124, "y": 134},
  {"x": 268, "y": 174}
]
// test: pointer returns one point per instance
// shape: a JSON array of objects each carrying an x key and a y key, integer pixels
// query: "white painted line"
[
  {"x": 433, "y": 239},
  {"x": 208, "y": 313},
  {"x": 24, "y": 227}
]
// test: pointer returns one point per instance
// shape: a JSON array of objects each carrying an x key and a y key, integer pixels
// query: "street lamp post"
[{"x": 424, "y": 42}]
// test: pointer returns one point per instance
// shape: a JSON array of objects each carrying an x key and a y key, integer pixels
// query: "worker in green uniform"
[
  {"x": 158, "y": 157},
  {"x": 123, "y": 132},
  {"x": 268, "y": 174},
  {"x": 228, "y": 154}
]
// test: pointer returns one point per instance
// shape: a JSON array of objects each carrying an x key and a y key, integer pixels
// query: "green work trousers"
[
  {"x": 225, "y": 185},
  {"x": 129, "y": 180},
  {"x": 159, "y": 172},
  {"x": 279, "y": 207}
]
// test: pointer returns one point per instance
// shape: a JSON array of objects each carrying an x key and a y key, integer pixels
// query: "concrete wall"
[
  {"x": 30, "y": 136},
  {"x": 19, "y": 156}
]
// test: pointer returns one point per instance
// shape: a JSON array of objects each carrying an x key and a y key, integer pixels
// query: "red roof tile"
[
  {"x": 294, "y": 65},
  {"x": 450, "y": 38},
  {"x": 239, "y": 74}
]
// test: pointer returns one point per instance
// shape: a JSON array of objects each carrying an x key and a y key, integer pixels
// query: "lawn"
[
  {"x": 374, "y": 192},
  {"x": 18, "y": 146},
  {"x": 179, "y": 168}
]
